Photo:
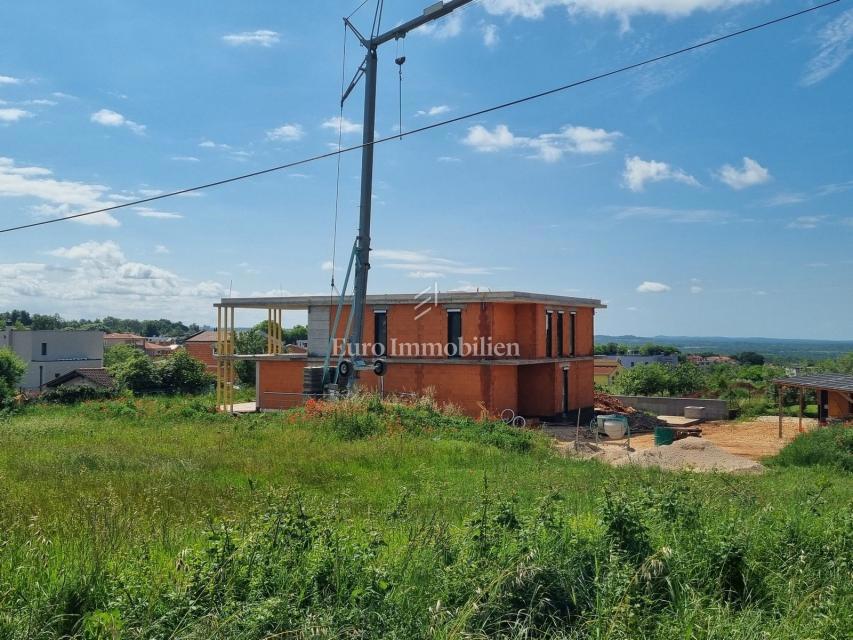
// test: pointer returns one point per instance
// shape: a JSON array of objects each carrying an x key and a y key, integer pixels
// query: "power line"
[{"x": 442, "y": 123}]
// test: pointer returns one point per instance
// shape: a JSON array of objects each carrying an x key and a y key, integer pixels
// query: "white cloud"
[
  {"x": 346, "y": 125},
  {"x": 448, "y": 27},
  {"x": 638, "y": 172},
  {"x": 185, "y": 159},
  {"x": 750, "y": 175},
  {"x": 696, "y": 289},
  {"x": 13, "y": 115},
  {"x": 672, "y": 215},
  {"x": 623, "y": 9},
  {"x": 327, "y": 265},
  {"x": 109, "y": 118},
  {"x": 423, "y": 264},
  {"x": 836, "y": 46},
  {"x": 97, "y": 278},
  {"x": 549, "y": 147},
  {"x": 434, "y": 111},
  {"x": 259, "y": 38},
  {"x": 9, "y": 80},
  {"x": 59, "y": 197},
  {"x": 286, "y": 133},
  {"x": 653, "y": 287},
  {"x": 490, "y": 35},
  {"x": 161, "y": 249},
  {"x": 448, "y": 159},
  {"x": 210, "y": 144},
  {"x": 41, "y": 102},
  {"x": 806, "y": 222},
  {"x": 147, "y": 212}
]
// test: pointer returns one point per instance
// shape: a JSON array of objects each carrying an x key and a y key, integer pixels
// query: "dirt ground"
[{"x": 755, "y": 439}]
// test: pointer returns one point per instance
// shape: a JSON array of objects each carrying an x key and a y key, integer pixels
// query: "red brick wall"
[
  {"x": 280, "y": 376},
  {"x": 202, "y": 351}
]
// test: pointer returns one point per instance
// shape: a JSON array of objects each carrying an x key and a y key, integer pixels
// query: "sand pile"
[{"x": 691, "y": 454}]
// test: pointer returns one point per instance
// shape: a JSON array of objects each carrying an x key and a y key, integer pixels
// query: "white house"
[
  {"x": 629, "y": 361},
  {"x": 51, "y": 354}
]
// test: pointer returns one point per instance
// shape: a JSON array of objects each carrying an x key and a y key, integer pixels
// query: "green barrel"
[{"x": 663, "y": 436}]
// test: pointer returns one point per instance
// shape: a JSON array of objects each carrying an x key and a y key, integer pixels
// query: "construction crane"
[{"x": 367, "y": 70}]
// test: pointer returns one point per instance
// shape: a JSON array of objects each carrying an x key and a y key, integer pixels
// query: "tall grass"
[{"x": 157, "y": 518}]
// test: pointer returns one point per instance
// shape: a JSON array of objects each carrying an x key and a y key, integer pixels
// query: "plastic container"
[
  {"x": 614, "y": 428},
  {"x": 664, "y": 436}
]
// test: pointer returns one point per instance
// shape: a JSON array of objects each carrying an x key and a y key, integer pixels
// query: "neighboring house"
[
  {"x": 51, "y": 354},
  {"x": 113, "y": 339},
  {"x": 708, "y": 361},
  {"x": 629, "y": 361},
  {"x": 98, "y": 378},
  {"x": 531, "y": 353},
  {"x": 200, "y": 346},
  {"x": 159, "y": 349},
  {"x": 605, "y": 370}
]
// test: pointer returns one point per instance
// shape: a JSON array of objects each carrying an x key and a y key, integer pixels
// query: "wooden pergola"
[{"x": 836, "y": 382}]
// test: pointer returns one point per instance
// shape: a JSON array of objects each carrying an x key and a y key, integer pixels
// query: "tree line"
[{"x": 22, "y": 319}]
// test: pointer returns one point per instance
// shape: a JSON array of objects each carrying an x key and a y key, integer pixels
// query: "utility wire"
[{"x": 467, "y": 116}]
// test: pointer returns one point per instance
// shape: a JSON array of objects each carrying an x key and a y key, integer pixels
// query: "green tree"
[
  {"x": 643, "y": 380},
  {"x": 181, "y": 373},
  {"x": 749, "y": 357},
  {"x": 251, "y": 341},
  {"x": 137, "y": 373},
  {"x": 118, "y": 354},
  {"x": 12, "y": 368}
]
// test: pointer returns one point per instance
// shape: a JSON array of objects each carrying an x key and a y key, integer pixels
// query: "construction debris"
[{"x": 639, "y": 421}]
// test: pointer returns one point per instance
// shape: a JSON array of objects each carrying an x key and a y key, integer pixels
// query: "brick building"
[
  {"x": 201, "y": 347},
  {"x": 532, "y": 353}
]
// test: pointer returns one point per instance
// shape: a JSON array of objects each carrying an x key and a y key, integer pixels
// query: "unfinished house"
[
  {"x": 531, "y": 353},
  {"x": 833, "y": 392}
]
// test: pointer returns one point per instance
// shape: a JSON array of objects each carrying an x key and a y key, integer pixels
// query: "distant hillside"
[{"x": 774, "y": 348}]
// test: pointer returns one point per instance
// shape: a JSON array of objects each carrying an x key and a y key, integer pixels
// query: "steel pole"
[{"x": 362, "y": 260}]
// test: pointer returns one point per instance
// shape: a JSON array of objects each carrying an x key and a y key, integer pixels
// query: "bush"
[
  {"x": 831, "y": 446},
  {"x": 12, "y": 368},
  {"x": 181, "y": 373},
  {"x": 73, "y": 395},
  {"x": 137, "y": 373}
]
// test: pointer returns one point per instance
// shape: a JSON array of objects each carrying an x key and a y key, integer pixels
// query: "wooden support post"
[
  {"x": 802, "y": 400},
  {"x": 231, "y": 363},
  {"x": 781, "y": 391},
  {"x": 218, "y": 360}
]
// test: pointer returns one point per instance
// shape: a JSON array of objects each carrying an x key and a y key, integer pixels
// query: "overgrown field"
[{"x": 159, "y": 519}]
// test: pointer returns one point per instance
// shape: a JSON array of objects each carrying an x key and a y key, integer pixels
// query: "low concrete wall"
[{"x": 714, "y": 409}]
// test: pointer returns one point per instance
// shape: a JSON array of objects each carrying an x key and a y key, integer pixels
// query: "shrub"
[
  {"x": 181, "y": 373},
  {"x": 73, "y": 395},
  {"x": 11, "y": 370},
  {"x": 137, "y": 373},
  {"x": 831, "y": 446}
]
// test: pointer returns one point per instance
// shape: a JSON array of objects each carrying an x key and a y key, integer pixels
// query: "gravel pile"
[{"x": 690, "y": 454}]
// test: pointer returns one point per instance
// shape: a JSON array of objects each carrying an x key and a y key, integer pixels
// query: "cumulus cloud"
[
  {"x": 258, "y": 38},
  {"x": 653, "y": 287},
  {"x": 98, "y": 278},
  {"x": 286, "y": 133},
  {"x": 9, "y": 80},
  {"x": 750, "y": 175},
  {"x": 549, "y": 147},
  {"x": 490, "y": 35},
  {"x": 448, "y": 27},
  {"x": 437, "y": 110},
  {"x": 638, "y": 172},
  {"x": 836, "y": 46},
  {"x": 57, "y": 197},
  {"x": 108, "y": 118},
  {"x": 13, "y": 115},
  {"x": 346, "y": 125}
]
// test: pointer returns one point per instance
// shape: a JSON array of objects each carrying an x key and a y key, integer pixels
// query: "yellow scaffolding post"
[{"x": 218, "y": 357}]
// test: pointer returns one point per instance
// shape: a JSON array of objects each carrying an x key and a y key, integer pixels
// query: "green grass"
[
  {"x": 831, "y": 447},
  {"x": 156, "y": 518}
]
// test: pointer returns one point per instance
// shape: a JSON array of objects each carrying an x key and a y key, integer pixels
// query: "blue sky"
[{"x": 707, "y": 195}]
